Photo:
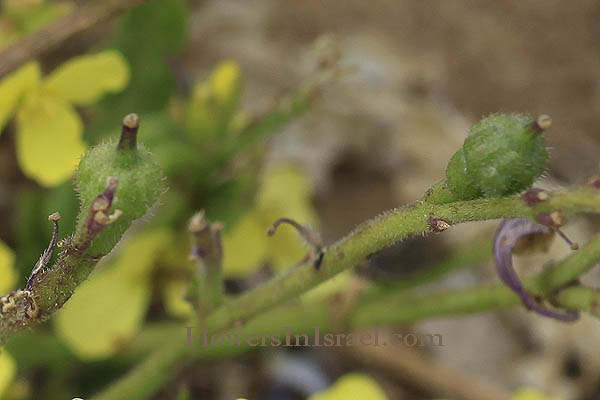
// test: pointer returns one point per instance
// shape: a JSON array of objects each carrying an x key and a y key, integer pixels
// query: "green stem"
[
  {"x": 412, "y": 307},
  {"x": 302, "y": 319},
  {"x": 207, "y": 251},
  {"x": 366, "y": 239},
  {"x": 580, "y": 298},
  {"x": 383, "y": 231},
  {"x": 471, "y": 255}
]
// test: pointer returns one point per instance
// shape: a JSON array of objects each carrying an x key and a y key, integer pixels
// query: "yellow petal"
[
  {"x": 83, "y": 80},
  {"x": 14, "y": 86},
  {"x": 285, "y": 248},
  {"x": 225, "y": 82},
  {"x": 350, "y": 387},
  {"x": 531, "y": 394},
  {"x": 103, "y": 315},
  {"x": 284, "y": 187},
  {"x": 48, "y": 141},
  {"x": 108, "y": 310},
  {"x": 286, "y": 192},
  {"x": 139, "y": 254},
  {"x": 7, "y": 371},
  {"x": 245, "y": 245},
  {"x": 175, "y": 304},
  {"x": 8, "y": 277},
  {"x": 328, "y": 288}
]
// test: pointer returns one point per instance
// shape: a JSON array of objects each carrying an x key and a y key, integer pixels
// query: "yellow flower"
[
  {"x": 7, "y": 371},
  {"x": 212, "y": 110},
  {"x": 352, "y": 387},
  {"x": 8, "y": 275},
  {"x": 49, "y": 130},
  {"x": 285, "y": 192},
  {"x": 109, "y": 309},
  {"x": 531, "y": 394}
]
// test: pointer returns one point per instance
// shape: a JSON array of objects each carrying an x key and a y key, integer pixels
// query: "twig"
[
  {"x": 59, "y": 31},
  {"x": 207, "y": 253},
  {"x": 418, "y": 371}
]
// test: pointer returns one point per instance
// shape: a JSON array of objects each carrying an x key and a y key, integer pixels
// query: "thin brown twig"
[
  {"x": 413, "y": 367},
  {"x": 59, "y": 31}
]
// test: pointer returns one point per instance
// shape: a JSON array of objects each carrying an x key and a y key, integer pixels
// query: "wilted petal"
[{"x": 508, "y": 234}]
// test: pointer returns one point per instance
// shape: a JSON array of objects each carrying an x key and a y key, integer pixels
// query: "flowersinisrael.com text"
[{"x": 197, "y": 335}]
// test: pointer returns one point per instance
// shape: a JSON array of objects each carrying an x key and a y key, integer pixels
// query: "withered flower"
[{"x": 509, "y": 233}]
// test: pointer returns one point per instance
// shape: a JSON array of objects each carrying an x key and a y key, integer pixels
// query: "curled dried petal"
[{"x": 509, "y": 232}]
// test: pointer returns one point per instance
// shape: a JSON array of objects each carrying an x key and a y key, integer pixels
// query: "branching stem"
[{"x": 367, "y": 239}]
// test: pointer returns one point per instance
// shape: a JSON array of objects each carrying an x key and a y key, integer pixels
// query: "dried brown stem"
[
  {"x": 414, "y": 368},
  {"x": 60, "y": 31}
]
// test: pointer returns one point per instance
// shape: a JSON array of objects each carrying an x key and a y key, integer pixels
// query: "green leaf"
[
  {"x": 14, "y": 87},
  {"x": 147, "y": 36},
  {"x": 83, "y": 80},
  {"x": 48, "y": 139}
]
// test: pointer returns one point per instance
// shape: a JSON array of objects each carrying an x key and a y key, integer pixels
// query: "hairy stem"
[
  {"x": 207, "y": 253},
  {"x": 366, "y": 239},
  {"x": 47, "y": 290}
]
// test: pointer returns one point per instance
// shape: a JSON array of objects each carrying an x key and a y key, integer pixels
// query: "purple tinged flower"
[{"x": 509, "y": 232}]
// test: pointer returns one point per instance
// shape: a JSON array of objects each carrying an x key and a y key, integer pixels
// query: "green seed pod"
[
  {"x": 502, "y": 155},
  {"x": 117, "y": 184},
  {"x": 140, "y": 183}
]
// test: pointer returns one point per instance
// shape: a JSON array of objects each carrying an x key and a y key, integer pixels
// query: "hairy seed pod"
[
  {"x": 503, "y": 155},
  {"x": 140, "y": 183}
]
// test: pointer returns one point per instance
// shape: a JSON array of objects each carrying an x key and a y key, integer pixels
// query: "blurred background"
[{"x": 326, "y": 112}]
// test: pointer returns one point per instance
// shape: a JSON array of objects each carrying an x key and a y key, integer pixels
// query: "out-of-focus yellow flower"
[
  {"x": 285, "y": 192},
  {"x": 7, "y": 371},
  {"x": 8, "y": 275},
  {"x": 109, "y": 309},
  {"x": 49, "y": 130},
  {"x": 531, "y": 394},
  {"x": 174, "y": 292},
  {"x": 212, "y": 111},
  {"x": 225, "y": 81},
  {"x": 352, "y": 387}
]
